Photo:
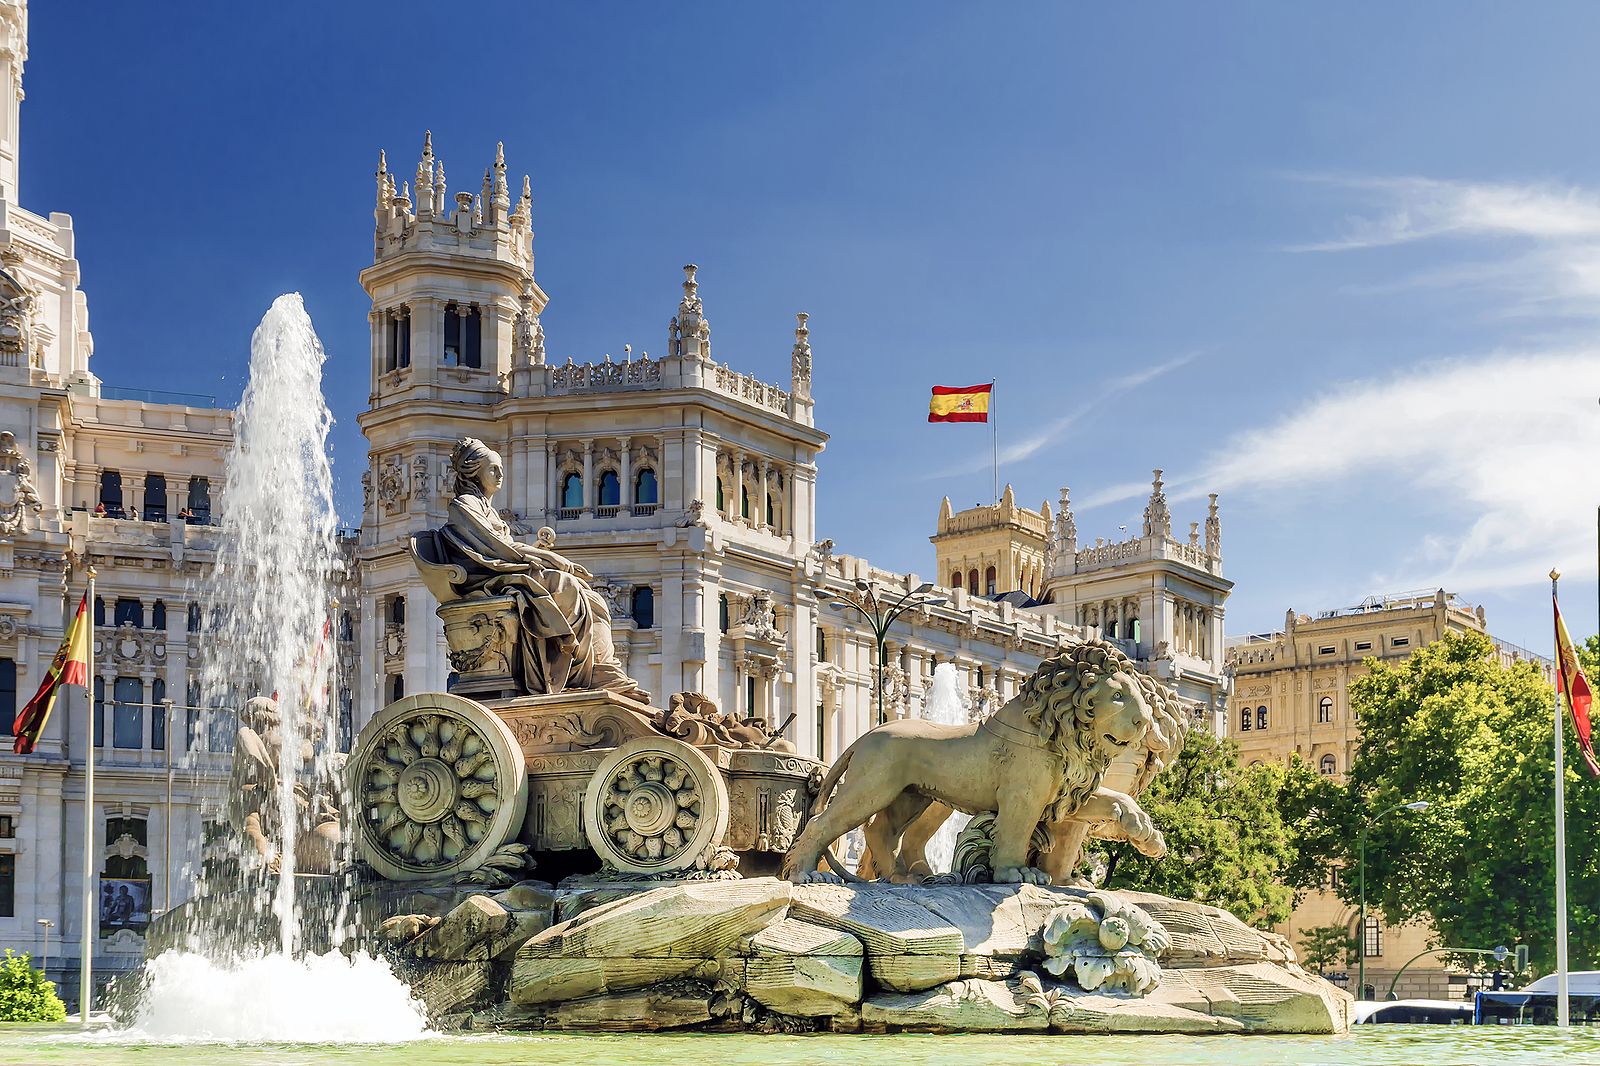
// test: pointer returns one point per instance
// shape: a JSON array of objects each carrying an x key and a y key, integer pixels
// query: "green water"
[{"x": 1381, "y": 1045}]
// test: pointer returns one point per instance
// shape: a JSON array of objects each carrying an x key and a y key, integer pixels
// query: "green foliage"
[
  {"x": 1452, "y": 726},
  {"x": 1326, "y": 947},
  {"x": 25, "y": 995},
  {"x": 1320, "y": 819},
  {"x": 1226, "y": 840}
]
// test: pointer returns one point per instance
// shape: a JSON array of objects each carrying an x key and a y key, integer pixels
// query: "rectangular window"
[
  {"x": 127, "y": 719},
  {"x": 1363, "y": 645},
  {"x": 158, "y": 714},
  {"x": 749, "y": 696},
  {"x": 474, "y": 339},
  {"x": 8, "y": 695},
  {"x": 452, "y": 335},
  {"x": 1373, "y": 945},
  {"x": 1326, "y": 649},
  {"x": 128, "y": 612},
  {"x": 1400, "y": 642},
  {"x": 8, "y": 827},
  {"x": 8, "y": 886}
]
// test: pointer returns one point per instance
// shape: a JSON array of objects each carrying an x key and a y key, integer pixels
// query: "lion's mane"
[{"x": 1055, "y": 700}]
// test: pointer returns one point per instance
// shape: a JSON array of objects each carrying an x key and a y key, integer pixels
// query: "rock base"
[{"x": 762, "y": 954}]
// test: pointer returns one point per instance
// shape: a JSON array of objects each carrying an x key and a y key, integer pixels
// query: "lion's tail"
[{"x": 831, "y": 781}]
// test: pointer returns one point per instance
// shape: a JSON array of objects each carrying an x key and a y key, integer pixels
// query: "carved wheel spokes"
[
  {"x": 655, "y": 805},
  {"x": 441, "y": 784}
]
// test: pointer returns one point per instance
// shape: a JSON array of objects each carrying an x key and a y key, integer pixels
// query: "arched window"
[
  {"x": 722, "y": 613},
  {"x": 1328, "y": 765},
  {"x": 158, "y": 714},
  {"x": 822, "y": 645},
  {"x": 158, "y": 616},
  {"x": 194, "y": 618},
  {"x": 972, "y": 581},
  {"x": 1261, "y": 718},
  {"x": 1372, "y": 943},
  {"x": 1325, "y": 709},
  {"x": 989, "y": 582},
  {"x": 1111, "y": 629},
  {"x": 111, "y": 492},
  {"x": 346, "y": 626},
  {"x": 200, "y": 500},
  {"x": 572, "y": 491},
  {"x": 722, "y": 503},
  {"x": 1133, "y": 630},
  {"x": 155, "y": 498},
  {"x": 744, "y": 501},
  {"x": 397, "y": 610},
  {"x": 610, "y": 489},
  {"x": 127, "y": 719},
  {"x": 1246, "y": 719},
  {"x": 644, "y": 607},
  {"x": 397, "y": 687},
  {"x": 980, "y": 677},
  {"x": 644, "y": 487},
  {"x": 128, "y": 611},
  {"x": 463, "y": 335},
  {"x": 99, "y": 611},
  {"x": 955, "y": 579}
]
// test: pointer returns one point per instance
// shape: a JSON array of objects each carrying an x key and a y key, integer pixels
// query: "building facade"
[
  {"x": 125, "y": 482},
  {"x": 1291, "y": 699}
]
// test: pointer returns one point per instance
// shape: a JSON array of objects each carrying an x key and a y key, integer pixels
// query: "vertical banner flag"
[
  {"x": 960, "y": 404},
  {"x": 1574, "y": 690},
  {"x": 70, "y": 667}
]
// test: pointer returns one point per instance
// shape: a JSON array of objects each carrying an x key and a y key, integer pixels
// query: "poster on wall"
[{"x": 124, "y": 904}]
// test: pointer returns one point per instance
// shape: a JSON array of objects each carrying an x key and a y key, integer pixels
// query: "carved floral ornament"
[
  {"x": 8, "y": 627},
  {"x": 19, "y": 500}
]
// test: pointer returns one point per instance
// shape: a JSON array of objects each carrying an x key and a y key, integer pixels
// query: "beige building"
[
  {"x": 1291, "y": 699},
  {"x": 993, "y": 548}
]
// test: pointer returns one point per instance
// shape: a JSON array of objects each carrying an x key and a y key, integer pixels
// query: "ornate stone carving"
[
  {"x": 1157, "y": 517},
  {"x": 8, "y": 627},
  {"x": 254, "y": 808},
  {"x": 656, "y": 805},
  {"x": 1213, "y": 528},
  {"x": 1106, "y": 943},
  {"x": 802, "y": 358},
  {"x": 393, "y": 484},
  {"x": 420, "y": 478},
  {"x": 759, "y": 621},
  {"x": 16, "y": 322},
  {"x": 19, "y": 501}
]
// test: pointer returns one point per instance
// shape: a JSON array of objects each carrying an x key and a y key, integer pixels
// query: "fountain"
[
  {"x": 945, "y": 704},
  {"x": 257, "y": 950}
]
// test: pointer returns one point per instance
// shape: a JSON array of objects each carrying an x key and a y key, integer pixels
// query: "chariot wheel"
[
  {"x": 439, "y": 784},
  {"x": 655, "y": 805}
]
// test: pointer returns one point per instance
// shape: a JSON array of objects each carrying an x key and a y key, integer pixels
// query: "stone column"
[
  {"x": 761, "y": 503},
  {"x": 552, "y": 480},
  {"x": 588, "y": 476},
  {"x": 625, "y": 472}
]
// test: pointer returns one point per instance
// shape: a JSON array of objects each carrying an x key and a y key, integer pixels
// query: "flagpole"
[
  {"x": 994, "y": 442},
  {"x": 90, "y": 895},
  {"x": 1563, "y": 1001}
]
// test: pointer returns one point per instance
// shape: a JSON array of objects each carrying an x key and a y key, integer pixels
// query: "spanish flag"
[
  {"x": 70, "y": 667},
  {"x": 960, "y": 404},
  {"x": 1574, "y": 689}
]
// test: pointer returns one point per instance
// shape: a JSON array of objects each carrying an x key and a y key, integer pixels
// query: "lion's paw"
[
  {"x": 1154, "y": 845},
  {"x": 1021, "y": 875}
]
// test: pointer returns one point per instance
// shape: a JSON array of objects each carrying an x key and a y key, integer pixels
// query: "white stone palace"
[{"x": 688, "y": 488}]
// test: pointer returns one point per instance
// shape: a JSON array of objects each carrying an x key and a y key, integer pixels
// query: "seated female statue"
[{"x": 565, "y": 641}]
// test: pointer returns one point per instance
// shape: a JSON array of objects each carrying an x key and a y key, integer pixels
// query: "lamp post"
[
  {"x": 1361, "y": 850},
  {"x": 880, "y": 613},
  {"x": 46, "y": 924}
]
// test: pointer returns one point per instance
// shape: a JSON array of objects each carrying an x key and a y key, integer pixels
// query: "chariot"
[{"x": 590, "y": 782}]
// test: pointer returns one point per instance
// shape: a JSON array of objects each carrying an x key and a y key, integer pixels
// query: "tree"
[
  {"x": 25, "y": 995},
  {"x": 1474, "y": 738},
  {"x": 1226, "y": 840},
  {"x": 1325, "y": 947}
]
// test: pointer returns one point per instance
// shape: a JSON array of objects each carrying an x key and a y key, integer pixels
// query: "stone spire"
[
  {"x": 502, "y": 194},
  {"x": 425, "y": 178},
  {"x": 1157, "y": 518},
  {"x": 946, "y": 512},
  {"x": 689, "y": 335},
  {"x": 1066, "y": 525},
  {"x": 529, "y": 333},
  {"x": 1008, "y": 499},
  {"x": 800, "y": 383},
  {"x": 486, "y": 198},
  {"x": 440, "y": 200},
  {"x": 1213, "y": 529},
  {"x": 385, "y": 185}
]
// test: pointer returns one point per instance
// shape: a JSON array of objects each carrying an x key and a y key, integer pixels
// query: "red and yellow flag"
[
  {"x": 960, "y": 404},
  {"x": 70, "y": 667},
  {"x": 1574, "y": 689}
]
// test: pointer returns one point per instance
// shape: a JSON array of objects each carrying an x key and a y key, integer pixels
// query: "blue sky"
[{"x": 1340, "y": 265}]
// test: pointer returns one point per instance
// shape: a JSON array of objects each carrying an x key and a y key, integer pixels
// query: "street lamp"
[
  {"x": 1361, "y": 933},
  {"x": 46, "y": 924},
  {"x": 881, "y": 614}
]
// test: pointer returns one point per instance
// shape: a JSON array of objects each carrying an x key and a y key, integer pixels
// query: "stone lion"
[
  {"x": 1129, "y": 772},
  {"x": 1040, "y": 758}
]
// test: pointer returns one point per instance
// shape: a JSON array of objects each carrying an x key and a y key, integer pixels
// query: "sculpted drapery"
[{"x": 566, "y": 627}]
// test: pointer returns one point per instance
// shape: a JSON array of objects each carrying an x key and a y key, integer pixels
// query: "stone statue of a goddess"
[{"x": 565, "y": 627}]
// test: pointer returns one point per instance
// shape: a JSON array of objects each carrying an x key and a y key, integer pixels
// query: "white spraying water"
[
  {"x": 268, "y": 609},
  {"x": 945, "y": 704},
  {"x": 276, "y": 999}
]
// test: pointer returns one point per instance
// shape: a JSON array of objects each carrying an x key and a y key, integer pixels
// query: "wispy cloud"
[{"x": 1054, "y": 430}]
